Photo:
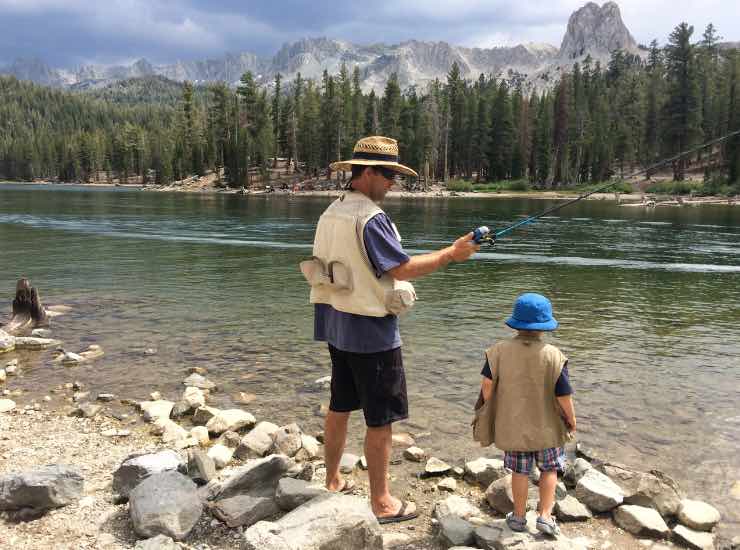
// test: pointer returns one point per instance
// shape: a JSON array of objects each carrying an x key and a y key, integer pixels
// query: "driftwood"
[{"x": 28, "y": 313}]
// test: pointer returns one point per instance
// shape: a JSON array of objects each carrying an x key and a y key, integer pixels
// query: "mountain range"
[{"x": 592, "y": 30}]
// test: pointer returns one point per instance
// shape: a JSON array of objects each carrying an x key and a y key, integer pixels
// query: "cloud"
[{"x": 71, "y": 32}]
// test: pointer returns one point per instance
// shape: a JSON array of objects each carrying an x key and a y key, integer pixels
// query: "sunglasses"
[{"x": 387, "y": 173}]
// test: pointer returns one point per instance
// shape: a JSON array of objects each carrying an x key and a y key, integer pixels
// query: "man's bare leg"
[
  {"x": 378, "y": 452},
  {"x": 335, "y": 436}
]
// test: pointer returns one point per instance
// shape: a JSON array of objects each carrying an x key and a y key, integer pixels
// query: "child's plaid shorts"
[{"x": 548, "y": 460}]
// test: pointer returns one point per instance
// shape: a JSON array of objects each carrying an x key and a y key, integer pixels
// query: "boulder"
[
  {"x": 7, "y": 342},
  {"x": 698, "y": 515},
  {"x": 169, "y": 430},
  {"x": 447, "y": 484},
  {"x": 258, "y": 477},
  {"x": 197, "y": 381},
  {"x": 6, "y": 405},
  {"x": 698, "y": 540},
  {"x": 287, "y": 440},
  {"x": 323, "y": 523},
  {"x": 570, "y": 509},
  {"x": 166, "y": 503},
  {"x": 575, "y": 471},
  {"x": 456, "y": 506},
  {"x": 135, "y": 468},
  {"x": 180, "y": 409},
  {"x": 291, "y": 493},
  {"x": 348, "y": 463},
  {"x": 87, "y": 410},
  {"x": 598, "y": 492},
  {"x": 156, "y": 409},
  {"x": 257, "y": 442},
  {"x": 454, "y": 531},
  {"x": 223, "y": 451},
  {"x": 203, "y": 414},
  {"x": 484, "y": 471},
  {"x": 230, "y": 420},
  {"x": 244, "y": 510},
  {"x": 194, "y": 397},
  {"x": 309, "y": 446},
  {"x": 414, "y": 454},
  {"x": 436, "y": 467},
  {"x": 644, "y": 489},
  {"x": 499, "y": 495},
  {"x": 48, "y": 487},
  {"x": 201, "y": 434},
  {"x": 201, "y": 468},
  {"x": 160, "y": 542},
  {"x": 641, "y": 521},
  {"x": 30, "y": 343}
]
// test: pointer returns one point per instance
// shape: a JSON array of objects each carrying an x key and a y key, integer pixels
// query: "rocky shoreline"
[{"x": 212, "y": 478}]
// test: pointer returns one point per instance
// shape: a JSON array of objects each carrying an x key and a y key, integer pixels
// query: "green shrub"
[
  {"x": 676, "y": 188},
  {"x": 459, "y": 185}
]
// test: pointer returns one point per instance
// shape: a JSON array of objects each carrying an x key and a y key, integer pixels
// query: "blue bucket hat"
[{"x": 532, "y": 312}]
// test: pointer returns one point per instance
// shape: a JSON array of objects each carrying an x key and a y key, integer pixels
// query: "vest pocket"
[
  {"x": 401, "y": 298},
  {"x": 335, "y": 276}
]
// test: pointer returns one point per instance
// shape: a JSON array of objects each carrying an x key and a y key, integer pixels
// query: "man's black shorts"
[{"x": 373, "y": 382}]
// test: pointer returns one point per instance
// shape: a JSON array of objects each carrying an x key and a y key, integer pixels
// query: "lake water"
[{"x": 648, "y": 300}]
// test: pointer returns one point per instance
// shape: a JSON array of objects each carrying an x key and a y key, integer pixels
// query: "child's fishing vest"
[
  {"x": 527, "y": 412},
  {"x": 340, "y": 273}
]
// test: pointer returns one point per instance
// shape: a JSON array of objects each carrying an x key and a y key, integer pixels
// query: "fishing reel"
[{"x": 483, "y": 235}]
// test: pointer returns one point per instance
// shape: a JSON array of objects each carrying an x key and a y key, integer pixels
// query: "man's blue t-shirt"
[{"x": 359, "y": 333}]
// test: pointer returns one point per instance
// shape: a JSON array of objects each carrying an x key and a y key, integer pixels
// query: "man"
[{"x": 365, "y": 268}]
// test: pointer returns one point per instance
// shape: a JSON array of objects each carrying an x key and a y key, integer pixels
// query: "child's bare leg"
[
  {"x": 548, "y": 481},
  {"x": 519, "y": 490}
]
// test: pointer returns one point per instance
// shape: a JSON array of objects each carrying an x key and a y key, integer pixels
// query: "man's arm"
[{"x": 424, "y": 264}]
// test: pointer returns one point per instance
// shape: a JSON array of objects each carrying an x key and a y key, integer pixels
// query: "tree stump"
[{"x": 28, "y": 313}]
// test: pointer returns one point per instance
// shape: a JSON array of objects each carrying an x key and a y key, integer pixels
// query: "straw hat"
[{"x": 375, "y": 151}]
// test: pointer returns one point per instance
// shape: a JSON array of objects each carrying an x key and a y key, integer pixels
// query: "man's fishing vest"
[
  {"x": 340, "y": 273},
  {"x": 527, "y": 412}
]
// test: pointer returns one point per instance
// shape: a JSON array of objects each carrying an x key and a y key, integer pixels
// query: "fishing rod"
[{"x": 483, "y": 234}]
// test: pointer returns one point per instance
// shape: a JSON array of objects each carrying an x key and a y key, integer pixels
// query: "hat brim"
[
  {"x": 346, "y": 166},
  {"x": 516, "y": 324}
]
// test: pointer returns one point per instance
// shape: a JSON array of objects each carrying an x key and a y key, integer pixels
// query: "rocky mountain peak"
[{"x": 597, "y": 31}]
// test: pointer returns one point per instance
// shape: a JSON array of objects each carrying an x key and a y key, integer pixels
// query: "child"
[{"x": 534, "y": 407}]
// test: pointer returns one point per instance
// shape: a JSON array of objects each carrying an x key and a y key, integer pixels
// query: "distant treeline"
[{"x": 595, "y": 122}]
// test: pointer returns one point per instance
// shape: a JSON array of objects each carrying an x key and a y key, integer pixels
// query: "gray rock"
[
  {"x": 698, "y": 515},
  {"x": 49, "y": 487},
  {"x": 575, "y": 471},
  {"x": 643, "y": 489},
  {"x": 202, "y": 415},
  {"x": 287, "y": 440},
  {"x": 487, "y": 536},
  {"x": 309, "y": 446},
  {"x": 244, "y": 510},
  {"x": 160, "y": 542},
  {"x": 291, "y": 493},
  {"x": 699, "y": 540},
  {"x": 197, "y": 381},
  {"x": 257, "y": 477},
  {"x": 180, "y": 409},
  {"x": 31, "y": 343},
  {"x": 436, "y": 467},
  {"x": 453, "y": 531},
  {"x": 414, "y": 454},
  {"x": 166, "y": 503},
  {"x": 6, "y": 405},
  {"x": 484, "y": 471},
  {"x": 169, "y": 430},
  {"x": 194, "y": 397},
  {"x": 304, "y": 471},
  {"x": 230, "y": 420},
  {"x": 456, "y": 506},
  {"x": 641, "y": 521},
  {"x": 156, "y": 409},
  {"x": 332, "y": 522},
  {"x": 221, "y": 455},
  {"x": 348, "y": 463},
  {"x": 560, "y": 491},
  {"x": 499, "y": 495},
  {"x": 569, "y": 509},
  {"x": 87, "y": 410},
  {"x": 201, "y": 468},
  {"x": 137, "y": 467},
  {"x": 447, "y": 484},
  {"x": 257, "y": 442},
  {"x": 598, "y": 492},
  {"x": 7, "y": 342}
]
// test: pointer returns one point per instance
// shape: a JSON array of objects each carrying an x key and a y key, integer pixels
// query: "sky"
[{"x": 69, "y": 33}]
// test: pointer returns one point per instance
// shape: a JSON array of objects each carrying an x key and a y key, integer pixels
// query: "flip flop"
[{"x": 401, "y": 515}]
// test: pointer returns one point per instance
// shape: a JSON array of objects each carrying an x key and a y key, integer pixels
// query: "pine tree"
[{"x": 391, "y": 111}]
